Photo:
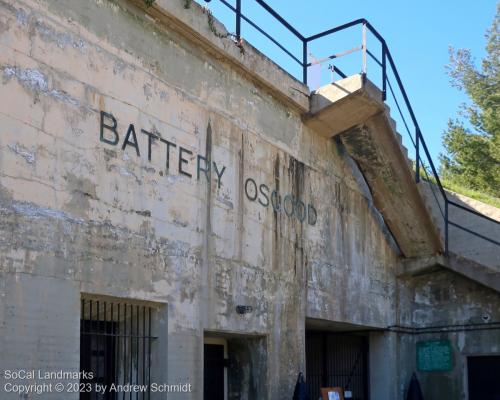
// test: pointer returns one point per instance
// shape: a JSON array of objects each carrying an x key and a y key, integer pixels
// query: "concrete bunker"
[{"x": 123, "y": 210}]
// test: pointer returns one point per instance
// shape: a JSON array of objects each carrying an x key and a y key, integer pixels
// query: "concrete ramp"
[{"x": 353, "y": 109}]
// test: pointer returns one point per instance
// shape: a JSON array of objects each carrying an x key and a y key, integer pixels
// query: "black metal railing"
[{"x": 423, "y": 159}]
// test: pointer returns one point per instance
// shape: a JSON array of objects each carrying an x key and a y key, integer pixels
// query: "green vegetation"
[
  {"x": 472, "y": 142},
  {"x": 457, "y": 188},
  {"x": 473, "y": 194}
]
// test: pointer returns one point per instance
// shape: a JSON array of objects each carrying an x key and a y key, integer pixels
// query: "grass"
[
  {"x": 454, "y": 187},
  {"x": 473, "y": 194}
]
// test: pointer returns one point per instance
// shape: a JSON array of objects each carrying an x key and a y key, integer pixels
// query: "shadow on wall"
[{"x": 247, "y": 368}]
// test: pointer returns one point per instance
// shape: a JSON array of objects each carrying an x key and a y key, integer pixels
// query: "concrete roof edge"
[{"x": 192, "y": 22}]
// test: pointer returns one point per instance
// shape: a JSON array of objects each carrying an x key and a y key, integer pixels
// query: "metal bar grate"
[
  {"x": 334, "y": 359},
  {"x": 115, "y": 346}
]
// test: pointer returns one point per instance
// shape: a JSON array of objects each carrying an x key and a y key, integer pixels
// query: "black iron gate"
[{"x": 335, "y": 359}]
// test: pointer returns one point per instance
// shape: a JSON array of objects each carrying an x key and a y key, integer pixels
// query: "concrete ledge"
[
  {"x": 479, "y": 273},
  {"x": 420, "y": 266},
  {"x": 342, "y": 105},
  {"x": 192, "y": 23}
]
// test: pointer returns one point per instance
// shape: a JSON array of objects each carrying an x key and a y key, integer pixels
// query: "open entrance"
[
  {"x": 215, "y": 369},
  {"x": 235, "y": 367},
  {"x": 337, "y": 358},
  {"x": 483, "y": 373}
]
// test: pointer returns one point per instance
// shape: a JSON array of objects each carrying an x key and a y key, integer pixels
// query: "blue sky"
[{"x": 418, "y": 34}]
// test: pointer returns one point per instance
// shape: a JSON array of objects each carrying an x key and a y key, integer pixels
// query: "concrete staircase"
[{"x": 353, "y": 110}]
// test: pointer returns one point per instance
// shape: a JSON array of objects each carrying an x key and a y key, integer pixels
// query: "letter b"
[{"x": 112, "y": 128}]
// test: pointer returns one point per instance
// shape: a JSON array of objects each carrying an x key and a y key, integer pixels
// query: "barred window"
[{"x": 115, "y": 346}]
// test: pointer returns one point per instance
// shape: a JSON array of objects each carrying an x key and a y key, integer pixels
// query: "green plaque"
[{"x": 434, "y": 355}]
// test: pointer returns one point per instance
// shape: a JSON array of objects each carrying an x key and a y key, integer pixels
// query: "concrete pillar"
[{"x": 383, "y": 365}]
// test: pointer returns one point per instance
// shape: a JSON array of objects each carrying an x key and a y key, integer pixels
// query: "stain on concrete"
[
  {"x": 23, "y": 152},
  {"x": 61, "y": 39},
  {"x": 38, "y": 83}
]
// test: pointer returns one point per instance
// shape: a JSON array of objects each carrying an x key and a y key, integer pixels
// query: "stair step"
[{"x": 393, "y": 123}]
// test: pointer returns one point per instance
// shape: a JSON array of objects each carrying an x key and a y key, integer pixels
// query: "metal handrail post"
[
  {"x": 364, "y": 47},
  {"x": 417, "y": 156},
  {"x": 304, "y": 61},
  {"x": 384, "y": 71},
  {"x": 446, "y": 233},
  {"x": 238, "y": 20}
]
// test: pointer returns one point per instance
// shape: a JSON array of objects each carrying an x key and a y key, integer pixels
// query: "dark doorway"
[
  {"x": 337, "y": 359},
  {"x": 213, "y": 381},
  {"x": 484, "y": 377},
  {"x": 97, "y": 351}
]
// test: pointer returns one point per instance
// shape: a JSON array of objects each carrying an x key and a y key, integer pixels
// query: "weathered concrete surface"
[
  {"x": 460, "y": 310},
  {"x": 192, "y": 22},
  {"x": 81, "y": 215},
  {"x": 384, "y": 376},
  {"x": 480, "y": 273},
  {"x": 343, "y": 104},
  {"x": 341, "y": 271},
  {"x": 353, "y": 108},
  {"x": 377, "y": 150},
  {"x": 421, "y": 265},
  {"x": 461, "y": 242}
]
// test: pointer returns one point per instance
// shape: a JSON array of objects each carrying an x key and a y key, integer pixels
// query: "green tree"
[{"x": 472, "y": 142}]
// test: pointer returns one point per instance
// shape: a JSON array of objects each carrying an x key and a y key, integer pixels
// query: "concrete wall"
[
  {"x": 444, "y": 300},
  {"x": 82, "y": 215}
]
